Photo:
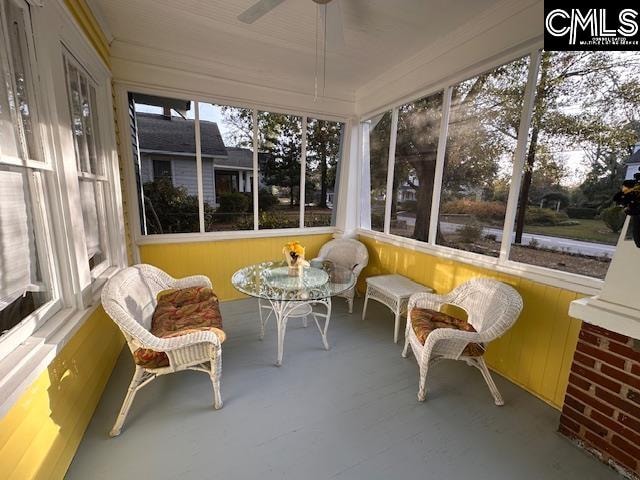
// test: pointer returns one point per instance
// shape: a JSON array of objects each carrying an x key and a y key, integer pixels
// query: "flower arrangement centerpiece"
[{"x": 294, "y": 255}]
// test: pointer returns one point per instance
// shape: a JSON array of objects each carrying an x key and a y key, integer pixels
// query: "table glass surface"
[{"x": 271, "y": 281}]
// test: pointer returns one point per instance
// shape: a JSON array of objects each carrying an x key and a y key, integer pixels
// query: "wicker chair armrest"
[
  {"x": 192, "y": 281},
  {"x": 431, "y": 301},
  {"x": 317, "y": 259},
  {"x": 183, "y": 341},
  {"x": 457, "y": 340}
]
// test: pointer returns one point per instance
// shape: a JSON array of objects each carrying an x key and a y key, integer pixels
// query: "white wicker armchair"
[
  {"x": 129, "y": 298},
  {"x": 348, "y": 253},
  {"x": 492, "y": 308}
]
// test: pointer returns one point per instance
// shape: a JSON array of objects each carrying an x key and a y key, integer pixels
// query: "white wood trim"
[
  {"x": 519, "y": 154},
  {"x": 256, "y": 169},
  {"x": 458, "y": 77},
  {"x": 546, "y": 276},
  {"x": 196, "y": 108},
  {"x": 391, "y": 162},
  {"x": 232, "y": 235},
  {"x": 439, "y": 171},
  {"x": 303, "y": 169},
  {"x": 207, "y": 97}
]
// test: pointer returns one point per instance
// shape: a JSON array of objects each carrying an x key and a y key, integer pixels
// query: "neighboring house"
[
  {"x": 633, "y": 163},
  {"x": 168, "y": 150}
]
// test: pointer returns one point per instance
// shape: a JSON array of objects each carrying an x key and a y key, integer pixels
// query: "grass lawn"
[{"x": 588, "y": 230}]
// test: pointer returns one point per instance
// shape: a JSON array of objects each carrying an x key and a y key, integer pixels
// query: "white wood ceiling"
[{"x": 279, "y": 48}]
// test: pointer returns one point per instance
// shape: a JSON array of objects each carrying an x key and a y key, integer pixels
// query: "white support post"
[
  {"x": 390, "y": 169},
  {"x": 303, "y": 169},
  {"x": 519, "y": 154},
  {"x": 439, "y": 171},
  {"x": 364, "y": 175},
  {"x": 255, "y": 169},
  {"x": 196, "y": 111}
]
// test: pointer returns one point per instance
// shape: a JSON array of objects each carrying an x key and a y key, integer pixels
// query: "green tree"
[{"x": 585, "y": 101}]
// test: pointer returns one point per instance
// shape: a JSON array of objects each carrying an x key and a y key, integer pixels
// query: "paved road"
[{"x": 546, "y": 241}]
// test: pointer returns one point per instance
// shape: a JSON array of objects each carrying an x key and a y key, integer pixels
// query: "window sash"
[{"x": 30, "y": 162}]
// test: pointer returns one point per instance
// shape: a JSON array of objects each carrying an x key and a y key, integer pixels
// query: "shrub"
[
  {"x": 613, "y": 217},
  {"x": 266, "y": 200},
  {"x": 470, "y": 233},
  {"x": 584, "y": 213},
  {"x": 491, "y": 237},
  {"x": 170, "y": 209},
  {"x": 232, "y": 204},
  {"x": 543, "y": 216},
  {"x": 481, "y": 210}
]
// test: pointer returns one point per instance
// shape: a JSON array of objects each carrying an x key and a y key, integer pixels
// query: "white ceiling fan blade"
[
  {"x": 335, "y": 26},
  {"x": 257, "y": 10}
]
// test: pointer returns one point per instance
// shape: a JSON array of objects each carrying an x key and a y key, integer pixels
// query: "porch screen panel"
[
  {"x": 279, "y": 155},
  {"x": 415, "y": 165},
  {"x": 481, "y": 141},
  {"x": 226, "y": 144},
  {"x": 375, "y": 153},
  {"x": 324, "y": 142},
  {"x": 166, "y": 135}
]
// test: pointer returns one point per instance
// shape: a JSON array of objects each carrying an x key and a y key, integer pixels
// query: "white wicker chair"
[
  {"x": 348, "y": 253},
  {"x": 492, "y": 308},
  {"x": 129, "y": 298}
]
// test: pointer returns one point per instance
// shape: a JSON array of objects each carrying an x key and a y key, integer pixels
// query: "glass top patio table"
[{"x": 271, "y": 281}]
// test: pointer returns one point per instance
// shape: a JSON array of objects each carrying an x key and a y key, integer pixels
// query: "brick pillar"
[{"x": 601, "y": 411}]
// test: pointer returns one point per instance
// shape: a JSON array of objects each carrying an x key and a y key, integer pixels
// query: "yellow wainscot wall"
[
  {"x": 40, "y": 434},
  {"x": 536, "y": 353},
  {"x": 220, "y": 259}
]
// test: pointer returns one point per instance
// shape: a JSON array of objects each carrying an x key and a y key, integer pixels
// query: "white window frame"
[
  {"x": 122, "y": 90},
  {"x": 100, "y": 180},
  {"x": 26, "y": 352},
  {"x": 548, "y": 276},
  {"x": 40, "y": 205}
]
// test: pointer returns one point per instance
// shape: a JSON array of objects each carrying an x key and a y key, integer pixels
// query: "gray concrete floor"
[{"x": 347, "y": 413}]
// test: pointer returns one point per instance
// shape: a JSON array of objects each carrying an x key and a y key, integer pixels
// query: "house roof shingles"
[{"x": 178, "y": 135}]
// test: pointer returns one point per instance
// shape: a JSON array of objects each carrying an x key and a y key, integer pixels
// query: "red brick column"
[{"x": 601, "y": 411}]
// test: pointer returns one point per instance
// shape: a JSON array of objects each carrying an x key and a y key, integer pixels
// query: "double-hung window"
[
  {"x": 91, "y": 163},
  {"x": 29, "y": 291}
]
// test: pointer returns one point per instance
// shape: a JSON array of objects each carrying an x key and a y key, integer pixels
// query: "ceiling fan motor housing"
[{"x": 322, "y": 2}]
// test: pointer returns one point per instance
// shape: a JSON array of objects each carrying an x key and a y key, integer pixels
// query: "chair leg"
[
  {"x": 305, "y": 321},
  {"x": 405, "y": 350},
  {"x": 128, "y": 400},
  {"x": 482, "y": 366},
  {"x": 216, "y": 374},
  {"x": 422, "y": 389},
  {"x": 364, "y": 307},
  {"x": 350, "y": 301},
  {"x": 396, "y": 327}
]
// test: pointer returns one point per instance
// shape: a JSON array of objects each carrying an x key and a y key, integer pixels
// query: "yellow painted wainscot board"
[
  {"x": 536, "y": 353},
  {"x": 218, "y": 260},
  {"x": 40, "y": 434}
]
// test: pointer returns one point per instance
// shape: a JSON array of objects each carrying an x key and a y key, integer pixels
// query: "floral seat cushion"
[
  {"x": 179, "y": 312},
  {"x": 424, "y": 321}
]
